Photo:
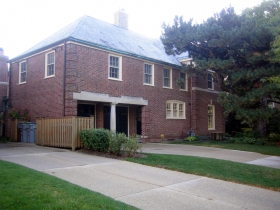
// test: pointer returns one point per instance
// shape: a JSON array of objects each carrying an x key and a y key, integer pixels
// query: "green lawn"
[
  {"x": 263, "y": 149},
  {"x": 258, "y": 176},
  {"x": 23, "y": 188}
]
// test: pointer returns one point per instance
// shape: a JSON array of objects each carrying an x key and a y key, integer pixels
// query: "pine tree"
[{"x": 238, "y": 48}]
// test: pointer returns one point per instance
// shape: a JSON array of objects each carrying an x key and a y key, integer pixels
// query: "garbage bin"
[
  {"x": 31, "y": 134},
  {"x": 23, "y": 132},
  {"x": 28, "y": 132}
]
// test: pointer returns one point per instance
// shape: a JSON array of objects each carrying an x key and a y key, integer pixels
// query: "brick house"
[
  {"x": 3, "y": 88},
  {"x": 124, "y": 80}
]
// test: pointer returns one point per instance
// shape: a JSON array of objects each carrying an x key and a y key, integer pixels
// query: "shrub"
[
  {"x": 274, "y": 137},
  {"x": 96, "y": 139},
  {"x": 4, "y": 139},
  {"x": 131, "y": 146},
  {"x": 116, "y": 142},
  {"x": 191, "y": 138}
]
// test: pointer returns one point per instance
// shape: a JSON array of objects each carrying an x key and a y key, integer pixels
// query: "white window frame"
[
  {"x": 211, "y": 117},
  {"x": 20, "y": 72},
  {"x": 119, "y": 78},
  {"x": 212, "y": 80},
  {"x": 47, "y": 64},
  {"x": 152, "y": 74},
  {"x": 175, "y": 109},
  {"x": 169, "y": 78},
  {"x": 186, "y": 81}
]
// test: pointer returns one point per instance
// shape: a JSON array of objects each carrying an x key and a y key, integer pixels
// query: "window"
[
  {"x": 115, "y": 70},
  {"x": 175, "y": 110},
  {"x": 167, "y": 78},
  {"x": 211, "y": 117},
  {"x": 148, "y": 74},
  {"x": 184, "y": 86},
  {"x": 50, "y": 61},
  {"x": 210, "y": 81},
  {"x": 22, "y": 72}
]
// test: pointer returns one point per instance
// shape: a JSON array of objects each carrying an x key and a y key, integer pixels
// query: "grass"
[
  {"x": 253, "y": 175},
  {"x": 263, "y": 149},
  {"x": 23, "y": 188}
]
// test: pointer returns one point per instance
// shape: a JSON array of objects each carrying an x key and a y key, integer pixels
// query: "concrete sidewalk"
[
  {"x": 210, "y": 152},
  {"x": 138, "y": 185}
]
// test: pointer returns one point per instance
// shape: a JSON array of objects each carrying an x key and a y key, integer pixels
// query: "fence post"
[{"x": 74, "y": 133}]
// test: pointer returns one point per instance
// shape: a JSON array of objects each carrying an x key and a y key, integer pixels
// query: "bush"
[
  {"x": 4, "y": 139},
  {"x": 103, "y": 140},
  {"x": 96, "y": 139},
  {"x": 274, "y": 137},
  {"x": 191, "y": 138},
  {"x": 131, "y": 146},
  {"x": 116, "y": 142}
]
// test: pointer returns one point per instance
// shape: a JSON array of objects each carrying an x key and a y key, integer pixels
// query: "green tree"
[{"x": 238, "y": 48}]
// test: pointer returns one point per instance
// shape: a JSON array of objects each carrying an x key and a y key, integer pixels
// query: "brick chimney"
[{"x": 121, "y": 19}]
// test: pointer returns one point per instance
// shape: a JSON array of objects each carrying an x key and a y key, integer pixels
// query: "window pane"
[
  {"x": 147, "y": 74},
  {"x": 50, "y": 70},
  {"x": 166, "y": 77},
  {"x": 114, "y": 67},
  {"x": 183, "y": 76},
  {"x": 210, "y": 80},
  {"x": 23, "y": 77},
  {"x": 210, "y": 117}
]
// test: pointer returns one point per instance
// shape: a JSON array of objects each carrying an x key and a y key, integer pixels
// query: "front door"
[{"x": 122, "y": 119}]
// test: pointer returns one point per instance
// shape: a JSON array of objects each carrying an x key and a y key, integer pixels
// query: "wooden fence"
[{"x": 61, "y": 132}]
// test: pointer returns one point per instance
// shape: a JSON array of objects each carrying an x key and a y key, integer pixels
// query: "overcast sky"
[{"x": 24, "y": 23}]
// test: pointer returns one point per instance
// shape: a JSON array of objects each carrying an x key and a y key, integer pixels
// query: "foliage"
[
  {"x": 25, "y": 189},
  {"x": 2, "y": 117},
  {"x": 180, "y": 81},
  {"x": 96, "y": 139},
  {"x": 191, "y": 138},
  {"x": 238, "y": 48},
  {"x": 16, "y": 114},
  {"x": 103, "y": 140},
  {"x": 4, "y": 139},
  {"x": 116, "y": 142},
  {"x": 274, "y": 137},
  {"x": 131, "y": 146},
  {"x": 252, "y": 175}
]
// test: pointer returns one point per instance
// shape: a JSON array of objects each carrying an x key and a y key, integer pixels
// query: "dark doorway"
[
  {"x": 138, "y": 121},
  {"x": 121, "y": 119},
  {"x": 107, "y": 114},
  {"x": 86, "y": 110}
]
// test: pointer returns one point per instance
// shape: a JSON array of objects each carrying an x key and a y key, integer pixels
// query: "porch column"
[{"x": 113, "y": 117}]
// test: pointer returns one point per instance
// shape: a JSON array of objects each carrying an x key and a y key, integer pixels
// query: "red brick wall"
[
  {"x": 87, "y": 70},
  {"x": 41, "y": 96},
  {"x": 201, "y": 99},
  {"x": 3, "y": 88}
]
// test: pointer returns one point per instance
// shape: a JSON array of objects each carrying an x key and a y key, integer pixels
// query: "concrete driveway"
[
  {"x": 210, "y": 152},
  {"x": 138, "y": 185}
]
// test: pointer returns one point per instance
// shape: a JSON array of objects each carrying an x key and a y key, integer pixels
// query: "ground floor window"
[
  {"x": 175, "y": 110},
  {"x": 211, "y": 117}
]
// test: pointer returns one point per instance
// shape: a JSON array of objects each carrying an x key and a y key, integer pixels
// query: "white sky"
[{"x": 24, "y": 23}]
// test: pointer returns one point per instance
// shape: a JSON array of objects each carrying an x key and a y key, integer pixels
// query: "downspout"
[
  {"x": 64, "y": 80},
  {"x": 191, "y": 105}
]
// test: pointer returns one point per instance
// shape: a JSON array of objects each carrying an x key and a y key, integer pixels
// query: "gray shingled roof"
[{"x": 98, "y": 33}]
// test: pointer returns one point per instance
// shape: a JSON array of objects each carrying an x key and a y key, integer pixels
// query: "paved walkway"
[
  {"x": 210, "y": 152},
  {"x": 138, "y": 185}
]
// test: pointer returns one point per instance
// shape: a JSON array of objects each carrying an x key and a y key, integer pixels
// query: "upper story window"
[
  {"x": 115, "y": 67},
  {"x": 175, "y": 110},
  {"x": 50, "y": 64},
  {"x": 167, "y": 78},
  {"x": 148, "y": 74},
  {"x": 210, "y": 80},
  {"x": 211, "y": 117},
  {"x": 22, "y": 72},
  {"x": 184, "y": 86}
]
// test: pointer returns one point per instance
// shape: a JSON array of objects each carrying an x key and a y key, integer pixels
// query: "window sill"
[
  {"x": 167, "y": 87},
  {"x": 148, "y": 84},
  {"x": 21, "y": 83},
  {"x": 210, "y": 88},
  {"x": 183, "y": 90},
  {"x": 175, "y": 118},
  {"x": 49, "y": 77},
  {"x": 115, "y": 79},
  {"x": 211, "y": 129}
]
